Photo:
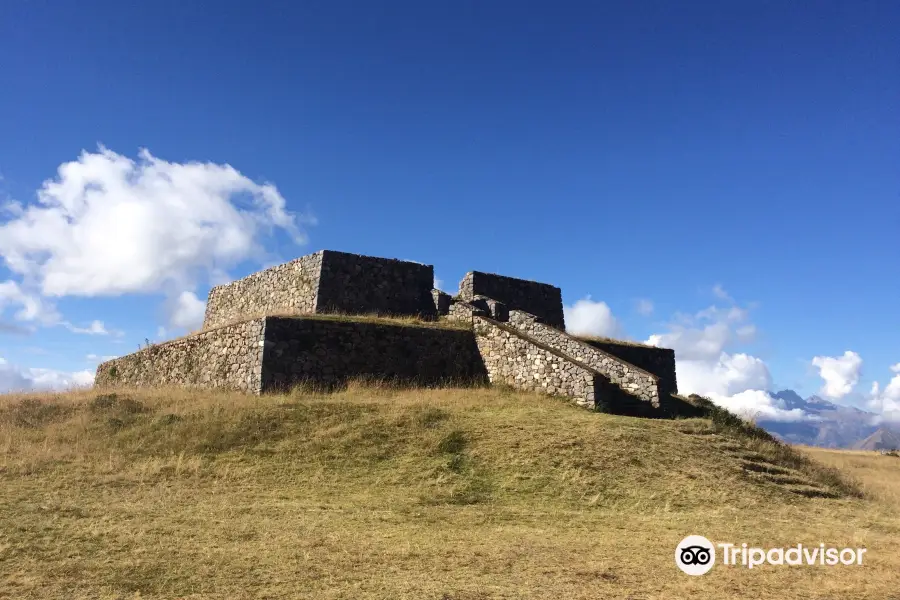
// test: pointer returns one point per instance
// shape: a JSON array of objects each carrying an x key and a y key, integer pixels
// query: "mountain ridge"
[{"x": 831, "y": 425}]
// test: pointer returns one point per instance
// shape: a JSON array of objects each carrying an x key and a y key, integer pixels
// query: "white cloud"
[
  {"x": 18, "y": 379},
  {"x": 705, "y": 335},
  {"x": 587, "y": 317},
  {"x": 98, "y": 359},
  {"x": 95, "y": 328},
  {"x": 720, "y": 293},
  {"x": 708, "y": 365},
  {"x": 726, "y": 375},
  {"x": 746, "y": 333},
  {"x": 841, "y": 374},
  {"x": 34, "y": 309},
  {"x": 186, "y": 311},
  {"x": 759, "y": 405},
  {"x": 108, "y": 225},
  {"x": 438, "y": 283},
  {"x": 887, "y": 402},
  {"x": 644, "y": 307},
  {"x": 31, "y": 308}
]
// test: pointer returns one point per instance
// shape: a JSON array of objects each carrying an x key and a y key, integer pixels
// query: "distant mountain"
[
  {"x": 831, "y": 426},
  {"x": 881, "y": 439}
]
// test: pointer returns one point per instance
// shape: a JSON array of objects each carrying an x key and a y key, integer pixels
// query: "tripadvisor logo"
[{"x": 696, "y": 555}]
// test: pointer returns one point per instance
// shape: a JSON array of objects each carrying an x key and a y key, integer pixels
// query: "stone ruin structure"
[{"x": 310, "y": 320}]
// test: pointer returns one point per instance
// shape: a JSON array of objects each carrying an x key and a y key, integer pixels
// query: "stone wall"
[
  {"x": 329, "y": 352},
  {"x": 290, "y": 287},
  {"x": 630, "y": 379},
  {"x": 326, "y": 282},
  {"x": 269, "y": 353},
  {"x": 227, "y": 357},
  {"x": 353, "y": 284},
  {"x": 540, "y": 299},
  {"x": 658, "y": 361},
  {"x": 513, "y": 359},
  {"x": 442, "y": 302},
  {"x": 461, "y": 310}
]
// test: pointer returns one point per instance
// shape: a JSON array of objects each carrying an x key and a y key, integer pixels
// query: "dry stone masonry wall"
[
  {"x": 329, "y": 352},
  {"x": 629, "y": 378},
  {"x": 513, "y": 359},
  {"x": 353, "y": 284},
  {"x": 540, "y": 299},
  {"x": 225, "y": 357},
  {"x": 273, "y": 353},
  {"x": 291, "y": 287},
  {"x": 517, "y": 337},
  {"x": 658, "y": 361}
]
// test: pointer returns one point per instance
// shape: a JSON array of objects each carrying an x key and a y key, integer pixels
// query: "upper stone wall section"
[
  {"x": 539, "y": 299},
  {"x": 356, "y": 284},
  {"x": 291, "y": 287},
  {"x": 326, "y": 282}
]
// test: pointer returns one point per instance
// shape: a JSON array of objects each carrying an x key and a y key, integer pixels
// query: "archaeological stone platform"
[{"x": 332, "y": 316}]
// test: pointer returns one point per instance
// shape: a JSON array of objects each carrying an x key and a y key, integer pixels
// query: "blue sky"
[{"x": 624, "y": 151}]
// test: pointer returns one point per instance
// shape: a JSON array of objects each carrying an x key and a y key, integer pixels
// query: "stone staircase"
[
  {"x": 522, "y": 351},
  {"x": 760, "y": 469}
]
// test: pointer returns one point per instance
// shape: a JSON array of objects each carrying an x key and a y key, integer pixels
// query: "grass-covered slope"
[{"x": 382, "y": 493}]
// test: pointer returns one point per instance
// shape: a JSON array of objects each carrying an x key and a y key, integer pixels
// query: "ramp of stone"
[
  {"x": 654, "y": 360},
  {"x": 514, "y": 358},
  {"x": 632, "y": 381}
]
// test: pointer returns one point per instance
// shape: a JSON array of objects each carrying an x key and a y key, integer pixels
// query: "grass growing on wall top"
[
  {"x": 378, "y": 492},
  {"x": 403, "y": 320},
  {"x": 597, "y": 338}
]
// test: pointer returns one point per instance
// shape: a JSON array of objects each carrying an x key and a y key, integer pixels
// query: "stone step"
[
  {"x": 811, "y": 491},
  {"x": 783, "y": 479},
  {"x": 747, "y": 455},
  {"x": 765, "y": 467}
]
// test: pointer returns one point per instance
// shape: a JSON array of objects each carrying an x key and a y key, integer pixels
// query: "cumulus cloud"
[
  {"x": 759, "y": 405},
  {"x": 726, "y": 375},
  {"x": 841, "y": 373},
  {"x": 108, "y": 225},
  {"x": 705, "y": 335},
  {"x": 708, "y": 364},
  {"x": 886, "y": 402},
  {"x": 587, "y": 317},
  {"x": 29, "y": 307},
  {"x": 186, "y": 311},
  {"x": 644, "y": 307},
  {"x": 18, "y": 379}
]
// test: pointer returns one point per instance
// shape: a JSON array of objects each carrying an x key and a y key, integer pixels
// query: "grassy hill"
[{"x": 448, "y": 494}]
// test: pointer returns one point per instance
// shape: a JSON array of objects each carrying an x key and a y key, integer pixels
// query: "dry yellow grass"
[
  {"x": 401, "y": 320},
  {"x": 382, "y": 493},
  {"x": 407, "y": 320}
]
